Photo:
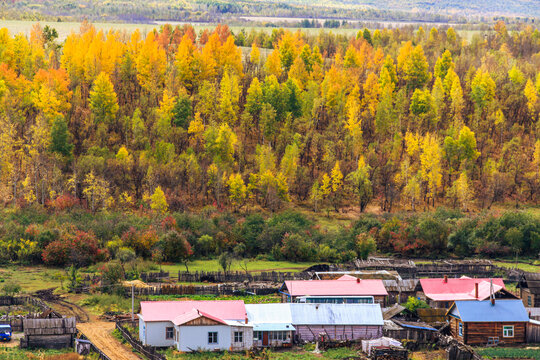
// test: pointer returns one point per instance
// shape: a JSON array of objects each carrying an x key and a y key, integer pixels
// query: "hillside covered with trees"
[
  {"x": 177, "y": 122},
  {"x": 232, "y": 10}
]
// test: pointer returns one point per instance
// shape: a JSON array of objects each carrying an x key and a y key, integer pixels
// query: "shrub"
[{"x": 80, "y": 249}]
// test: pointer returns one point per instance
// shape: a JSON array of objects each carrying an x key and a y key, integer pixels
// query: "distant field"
[
  {"x": 65, "y": 28},
  {"x": 253, "y": 266}
]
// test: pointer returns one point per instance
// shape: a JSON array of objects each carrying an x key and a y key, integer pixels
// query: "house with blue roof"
[{"x": 488, "y": 322}]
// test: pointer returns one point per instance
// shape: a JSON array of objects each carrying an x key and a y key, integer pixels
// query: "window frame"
[
  {"x": 213, "y": 338},
  {"x": 460, "y": 329},
  {"x": 238, "y": 336},
  {"x": 507, "y": 329},
  {"x": 169, "y": 333}
]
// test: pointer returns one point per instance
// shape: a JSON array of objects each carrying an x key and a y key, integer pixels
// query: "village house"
[
  {"x": 488, "y": 322},
  {"x": 272, "y": 324},
  {"x": 195, "y": 325},
  {"x": 442, "y": 292},
  {"x": 529, "y": 289},
  {"x": 345, "y": 290},
  {"x": 337, "y": 321}
]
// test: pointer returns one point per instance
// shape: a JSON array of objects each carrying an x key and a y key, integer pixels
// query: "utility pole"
[{"x": 132, "y": 302}]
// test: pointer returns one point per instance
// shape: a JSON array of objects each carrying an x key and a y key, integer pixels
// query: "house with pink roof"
[
  {"x": 195, "y": 325},
  {"x": 344, "y": 290},
  {"x": 442, "y": 292}
]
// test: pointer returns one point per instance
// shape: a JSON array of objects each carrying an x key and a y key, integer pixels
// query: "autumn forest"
[{"x": 174, "y": 120}]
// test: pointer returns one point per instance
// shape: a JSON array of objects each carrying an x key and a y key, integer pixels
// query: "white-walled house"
[{"x": 195, "y": 325}]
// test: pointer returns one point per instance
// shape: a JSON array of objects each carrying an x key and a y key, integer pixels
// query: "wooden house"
[
  {"x": 345, "y": 290},
  {"x": 442, "y": 292},
  {"x": 529, "y": 289},
  {"x": 488, "y": 322}
]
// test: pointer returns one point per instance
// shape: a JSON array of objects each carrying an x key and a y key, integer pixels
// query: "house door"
[{"x": 265, "y": 338}]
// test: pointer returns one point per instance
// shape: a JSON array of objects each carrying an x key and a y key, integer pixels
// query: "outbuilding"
[
  {"x": 488, "y": 322},
  {"x": 345, "y": 290},
  {"x": 529, "y": 289},
  {"x": 337, "y": 322}
]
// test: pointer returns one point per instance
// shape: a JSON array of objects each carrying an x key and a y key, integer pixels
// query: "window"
[
  {"x": 508, "y": 331},
  {"x": 238, "y": 336},
  {"x": 169, "y": 333},
  {"x": 460, "y": 329},
  {"x": 278, "y": 335},
  {"x": 257, "y": 335},
  {"x": 212, "y": 337},
  {"x": 529, "y": 301}
]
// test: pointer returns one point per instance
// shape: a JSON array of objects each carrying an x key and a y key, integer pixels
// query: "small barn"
[
  {"x": 337, "y": 322},
  {"x": 529, "y": 289},
  {"x": 488, "y": 322},
  {"x": 49, "y": 333},
  {"x": 344, "y": 290},
  {"x": 442, "y": 292},
  {"x": 272, "y": 324}
]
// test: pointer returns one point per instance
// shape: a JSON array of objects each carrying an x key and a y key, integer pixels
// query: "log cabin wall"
[{"x": 478, "y": 333}]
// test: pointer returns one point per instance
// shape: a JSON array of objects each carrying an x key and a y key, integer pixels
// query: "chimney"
[
  {"x": 246, "y": 320},
  {"x": 491, "y": 292},
  {"x": 358, "y": 280},
  {"x": 476, "y": 290},
  {"x": 445, "y": 279}
]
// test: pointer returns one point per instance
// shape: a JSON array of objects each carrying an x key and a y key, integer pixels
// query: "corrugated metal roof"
[
  {"x": 484, "y": 311},
  {"x": 336, "y": 287},
  {"x": 168, "y": 310},
  {"x": 336, "y": 314},
  {"x": 459, "y": 289},
  {"x": 415, "y": 325},
  {"x": 269, "y": 313}
]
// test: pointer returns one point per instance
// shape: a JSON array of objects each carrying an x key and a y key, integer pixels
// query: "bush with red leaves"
[
  {"x": 80, "y": 249},
  {"x": 63, "y": 202}
]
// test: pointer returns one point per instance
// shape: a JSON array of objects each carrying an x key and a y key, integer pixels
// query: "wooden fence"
[
  {"x": 239, "y": 276},
  {"x": 94, "y": 348},
  {"x": 219, "y": 289},
  {"x": 432, "y": 315},
  {"x": 148, "y": 351}
]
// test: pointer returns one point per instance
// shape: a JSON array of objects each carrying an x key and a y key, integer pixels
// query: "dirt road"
[{"x": 100, "y": 334}]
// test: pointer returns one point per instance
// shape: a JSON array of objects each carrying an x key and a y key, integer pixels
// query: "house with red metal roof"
[
  {"x": 442, "y": 292},
  {"x": 345, "y": 290},
  {"x": 195, "y": 325}
]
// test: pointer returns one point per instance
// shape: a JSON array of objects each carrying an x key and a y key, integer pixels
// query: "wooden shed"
[
  {"x": 488, "y": 322},
  {"x": 529, "y": 289},
  {"x": 49, "y": 333}
]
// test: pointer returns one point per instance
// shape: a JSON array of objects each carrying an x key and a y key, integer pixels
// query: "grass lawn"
[
  {"x": 30, "y": 278},
  {"x": 295, "y": 354},
  {"x": 510, "y": 353},
  {"x": 519, "y": 265},
  {"x": 255, "y": 266},
  {"x": 20, "y": 354}
]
